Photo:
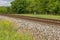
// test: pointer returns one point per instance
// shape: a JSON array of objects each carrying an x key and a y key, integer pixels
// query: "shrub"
[{"x": 8, "y": 31}]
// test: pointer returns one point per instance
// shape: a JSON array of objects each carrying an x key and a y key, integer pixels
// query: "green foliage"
[
  {"x": 3, "y": 10},
  {"x": 8, "y": 32},
  {"x": 33, "y": 6},
  {"x": 19, "y": 6},
  {"x": 38, "y": 6}
]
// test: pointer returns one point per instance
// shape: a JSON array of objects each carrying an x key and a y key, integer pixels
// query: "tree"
[
  {"x": 19, "y": 6},
  {"x": 3, "y": 9},
  {"x": 36, "y": 6}
]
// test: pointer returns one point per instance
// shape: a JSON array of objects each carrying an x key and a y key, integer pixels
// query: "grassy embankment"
[
  {"x": 8, "y": 32},
  {"x": 57, "y": 17}
]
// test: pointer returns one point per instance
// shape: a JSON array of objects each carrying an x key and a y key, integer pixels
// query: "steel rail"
[{"x": 45, "y": 20}]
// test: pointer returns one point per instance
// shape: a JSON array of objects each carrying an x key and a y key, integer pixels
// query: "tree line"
[
  {"x": 34, "y": 6},
  {"x": 37, "y": 6}
]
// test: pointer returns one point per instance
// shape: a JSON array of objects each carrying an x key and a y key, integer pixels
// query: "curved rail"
[{"x": 52, "y": 21}]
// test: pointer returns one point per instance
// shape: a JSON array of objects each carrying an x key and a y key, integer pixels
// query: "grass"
[
  {"x": 57, "y": 17},
  {"x": 8, "y": 31}
]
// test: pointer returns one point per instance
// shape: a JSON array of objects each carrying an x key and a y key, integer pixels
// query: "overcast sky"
[{"x": 5, "y": 2}]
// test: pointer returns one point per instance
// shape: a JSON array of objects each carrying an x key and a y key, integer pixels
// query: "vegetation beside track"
[
  {"x": 57, "y": 17},
  {"x": 8, "y": 31}
]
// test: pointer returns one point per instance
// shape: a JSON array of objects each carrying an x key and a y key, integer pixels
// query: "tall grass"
[
  {"x": 56, "y": 17},
  {"x": 8, "y": 32}
]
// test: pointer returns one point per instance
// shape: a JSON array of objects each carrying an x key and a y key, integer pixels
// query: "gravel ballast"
[{"x": 39, "y": 30}]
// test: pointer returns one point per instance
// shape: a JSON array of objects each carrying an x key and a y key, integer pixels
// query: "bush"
[{"x": 8, "y": 32}]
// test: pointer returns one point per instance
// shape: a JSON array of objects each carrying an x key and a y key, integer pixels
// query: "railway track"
[
  {"x": 51, "y": 21},
  {"x": 39, "y": 30}
]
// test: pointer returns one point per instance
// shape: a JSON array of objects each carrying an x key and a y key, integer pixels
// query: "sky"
[{"x": 5, "y": 2}]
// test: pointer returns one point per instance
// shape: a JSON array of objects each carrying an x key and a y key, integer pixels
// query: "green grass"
[
  {"x": 57, "y": 17},
  {"x": 8, "y": 31}
]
